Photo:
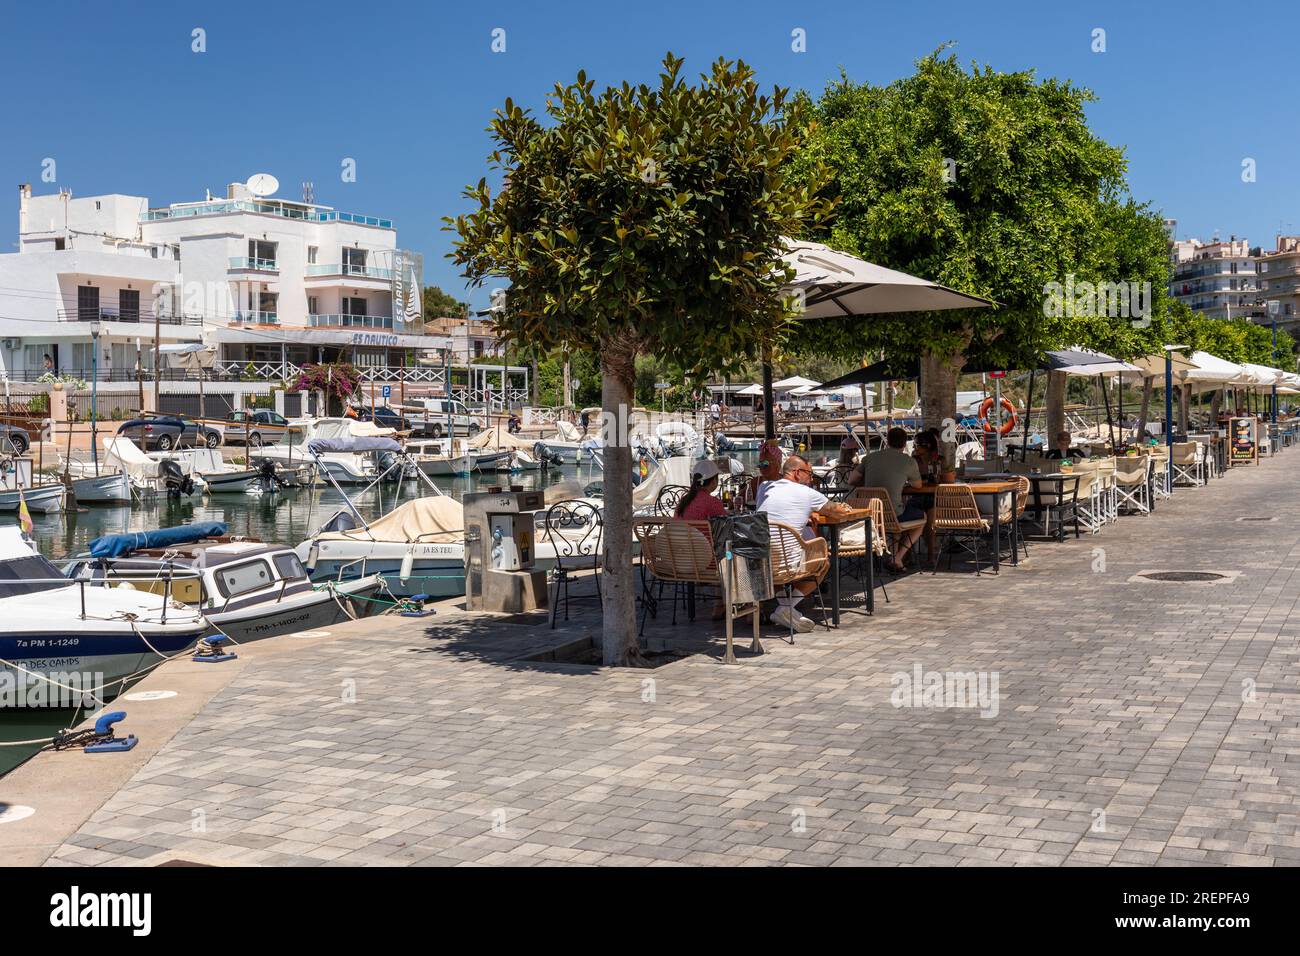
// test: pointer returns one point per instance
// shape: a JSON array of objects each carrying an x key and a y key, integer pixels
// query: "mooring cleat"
[
  {"x": 105, "y": 742},
  {"x": 211, "y": 650},
  {"x": 413, "y": 606}
]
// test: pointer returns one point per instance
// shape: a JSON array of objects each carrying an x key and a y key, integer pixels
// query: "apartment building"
[
  {"x": 1218, "y": 279},
  {"x": 1279, "y": 273}
]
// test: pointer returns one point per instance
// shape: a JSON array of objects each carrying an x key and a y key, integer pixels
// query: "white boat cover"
[
  {"x": 500, "y": 440},
  {"x": 438, "y": 519},
  {"x": 127, "y": 454},
  {"x": 671, "y": 471},
  {"x": 567, "y": 431}
]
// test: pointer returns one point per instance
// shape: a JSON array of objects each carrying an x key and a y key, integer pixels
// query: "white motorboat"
[
  {"x": 521, "y": 460},
  {"x": 63, "y": 637},
  {"x": 498, "y": 459},
  {"x": 171, "y": 473},
  {"x": 244, "y": 588},
  {"x": 17, "y": 487},
  {"x": 442, "y": 457},
  {"x": 346, "y": 468},
  {"x": 680, "y": 438}
]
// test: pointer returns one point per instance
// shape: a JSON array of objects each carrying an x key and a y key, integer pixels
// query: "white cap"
[{"x": 705, "y": 470}]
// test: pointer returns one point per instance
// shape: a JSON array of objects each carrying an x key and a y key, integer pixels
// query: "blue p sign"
[{"x": 388, "y": 391}]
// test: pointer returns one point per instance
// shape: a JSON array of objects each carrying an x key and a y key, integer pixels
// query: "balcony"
[
  {"x": 352, "y": 321},
  {"x": 247, "y": 264},
  {"x": 117, "y": 314},
  {"x": 347, "y": 269},
  {"x": 257, "y": 318},
  {"x": 232, "y": 206}
]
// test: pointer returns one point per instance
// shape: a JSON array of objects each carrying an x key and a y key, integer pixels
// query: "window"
[
  {"x": 243, "y": 578},
  {"x": 290, "y": 567},
  {"x": 311, "y": 254},
  {"x": 261, "y": 254},
  {"x": 60, "y": 244},
  {"x": 352, "y": 306},
  {"x": 128, "y": 305},
  {"x": 311, "y": 305},
  {"x": 354, "y": 261},
  {"x": 87, "y": 303}
]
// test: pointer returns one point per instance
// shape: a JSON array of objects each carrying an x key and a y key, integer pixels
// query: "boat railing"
[{"x": 165, "y": 576}]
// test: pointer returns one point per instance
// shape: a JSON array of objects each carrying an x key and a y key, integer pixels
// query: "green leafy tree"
[
  {"x": 438, "y": 305},
  {"x": 991, "y": 183},
  {"x": 644, "y": 219}
]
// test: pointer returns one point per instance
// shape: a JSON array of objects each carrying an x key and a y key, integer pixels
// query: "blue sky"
[{"x": 114, "y": 93}]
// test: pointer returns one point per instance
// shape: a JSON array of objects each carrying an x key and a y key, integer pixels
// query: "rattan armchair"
[
  {"x": 891, "y": 524},
  {"x": 853, "y": 540},
  {"x": 957, "y": 516},
  {"x": 678, "y": 554},
  {"x": 796, "y": 560}
]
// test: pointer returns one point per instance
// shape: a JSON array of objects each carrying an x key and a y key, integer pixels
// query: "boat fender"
[
  {"x": 105, "y": 741},
  {"x": 212, "y": 650},
  {"x": 408, "y": 565}
]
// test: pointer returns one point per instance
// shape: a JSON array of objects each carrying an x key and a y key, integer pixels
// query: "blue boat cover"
[
  {"x": 118, "y": 545},
  {"x": 318, "y": 446}
]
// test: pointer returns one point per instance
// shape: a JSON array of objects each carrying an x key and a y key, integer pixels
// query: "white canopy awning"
[{"x": 792, "y": 383}]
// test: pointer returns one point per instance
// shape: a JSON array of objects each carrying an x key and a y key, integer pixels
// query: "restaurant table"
[
  {"x": 997, "y": 487},
  {"x": 828, "y": 525}
]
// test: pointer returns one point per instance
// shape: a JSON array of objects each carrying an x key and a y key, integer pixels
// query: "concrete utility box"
[{"x": 501, "y": 552}]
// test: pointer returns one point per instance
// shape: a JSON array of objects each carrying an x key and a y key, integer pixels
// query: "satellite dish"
[{"x": 262, "y": 184}]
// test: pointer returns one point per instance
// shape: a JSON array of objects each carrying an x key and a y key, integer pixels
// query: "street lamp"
[
  {"x": 1169, "y": 393},
  {"x": 94, "y": 392}
]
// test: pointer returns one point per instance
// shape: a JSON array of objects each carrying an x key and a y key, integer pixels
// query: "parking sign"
[{"x": 388, "y": 391}]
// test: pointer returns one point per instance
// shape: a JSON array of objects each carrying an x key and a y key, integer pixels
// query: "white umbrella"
[
  {"x": 751, "y": 390},
  {"x": 835, "y": 284},
  {"x": 1213, "y": 372},
  {"x": 793, "y": 383}
]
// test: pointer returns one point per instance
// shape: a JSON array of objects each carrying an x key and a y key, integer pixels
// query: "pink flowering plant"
[{"x": 336, "y": 379}]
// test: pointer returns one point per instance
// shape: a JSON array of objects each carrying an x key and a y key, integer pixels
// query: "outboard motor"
[
  {"x": 269, "y": 477},
  {"x": 544, "y": 454},
  {"x": 178, "y": 484}
]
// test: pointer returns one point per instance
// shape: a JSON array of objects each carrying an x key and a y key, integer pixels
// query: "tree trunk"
[
  {"x": 1216, "y": 399},
  {"x": 1146, "y": 405},
  {"x": 939, "y": 400},
  {"x": 618, "y": 585},
  {"x": 1055, "y": 403},
  {"x": 1184, "y": 410}
]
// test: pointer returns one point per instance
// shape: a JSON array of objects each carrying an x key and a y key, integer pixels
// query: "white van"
[{"x": 439, "y": 412}]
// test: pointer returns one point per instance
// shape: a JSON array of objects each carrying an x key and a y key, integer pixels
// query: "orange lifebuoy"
[{"x": 986, "y": 406}]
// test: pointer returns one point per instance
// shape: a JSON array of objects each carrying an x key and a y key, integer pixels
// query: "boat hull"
[
  {"x": 43, "y": 499},
  {"x": 313, "y": 610},
  {"x": 103, "y": 490},
  {"x": 231, "y": 483}
]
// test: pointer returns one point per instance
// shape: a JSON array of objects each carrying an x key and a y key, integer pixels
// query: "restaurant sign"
[{"x": 1243, "y": 443}]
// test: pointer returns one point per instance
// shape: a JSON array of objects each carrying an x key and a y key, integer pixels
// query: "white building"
[
  {"x": 275, "y": 284},
  {"x": 1218, "y": 279}
]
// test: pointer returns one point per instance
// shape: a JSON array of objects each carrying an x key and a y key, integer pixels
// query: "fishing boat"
[
  {"x": 521, "y": 460},
  {"x": 246, "y": 589},
  {"x": 493, "y": 459},
  {"x": 76, "y": 635},
  {"x": 110, "y": 488}
]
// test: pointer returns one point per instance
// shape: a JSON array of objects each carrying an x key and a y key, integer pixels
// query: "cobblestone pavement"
[{"x": 1136, "y": 723}]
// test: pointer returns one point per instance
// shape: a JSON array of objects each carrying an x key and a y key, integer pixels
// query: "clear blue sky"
[{"x": 113, "y": 92}]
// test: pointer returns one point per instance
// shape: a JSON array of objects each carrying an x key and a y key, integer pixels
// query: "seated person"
[
  {"x": 699, "y": 503},
  {"x": 1064, "y": 449},
  {"x": 791, "y": 501},
  {"x": 769, "y": 467},
  {"x": 894, "y": 469}
]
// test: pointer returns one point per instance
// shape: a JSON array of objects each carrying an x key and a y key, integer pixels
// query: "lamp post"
[
  {"x": 1273, "y": 418},
  {"x": 1169, "y": 393},
  {"x": 94, "y": 393}
]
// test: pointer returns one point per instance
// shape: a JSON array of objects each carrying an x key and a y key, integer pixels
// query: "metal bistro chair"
[
  {"x": 957, "y": 516},
  {"x": 1133, "y": 490},
  {"x": 678, "y": 554},
  {"x": 1009, "y": 517},
  {"x": 795, "y": 560},
  {"x": 575, "y": 530},
  {"x": 1057, "y": 496},
  {"x": 669, "y": 496}
]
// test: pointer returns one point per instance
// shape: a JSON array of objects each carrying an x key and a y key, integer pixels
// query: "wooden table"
[
  {"x": 993, "y": 487},
  {"x": 828, "y": 524}
]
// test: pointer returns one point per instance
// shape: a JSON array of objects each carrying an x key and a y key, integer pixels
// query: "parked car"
[
  {"x": 256, "y": 428},
  {"x": 159, "y": 433},
  {"x": 12, "y": 435},
  {"x": 441, "y": 412},
  {"x": 384, "y": 417}
]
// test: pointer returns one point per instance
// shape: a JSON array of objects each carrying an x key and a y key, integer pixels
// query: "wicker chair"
[
  {"x": 575, "y": 530},
  {"x": 957, "y": 516},
  {"x": 853, "y": 540},
  {"x": 1009, "y": 517},
  {"x": 891, "y": 525},
  {"x": 795, "y": 560},
  {"x": 678, "y": 553}
]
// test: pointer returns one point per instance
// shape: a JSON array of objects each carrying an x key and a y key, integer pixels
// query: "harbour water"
[{"x": 286, "y": 517}]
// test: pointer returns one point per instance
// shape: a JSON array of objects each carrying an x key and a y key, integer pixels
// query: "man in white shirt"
[{"x": 791, "y": 501}]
